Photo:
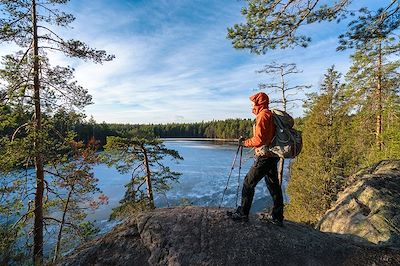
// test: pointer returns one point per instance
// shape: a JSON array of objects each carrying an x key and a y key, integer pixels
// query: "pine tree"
[
  {"x": 375, "y": 112},
  {"x": 71, "y": 174},
  {"x": 35, "y": 86},
  {"x": 143, "y": 159},
  {"x": 318, "y": 172},
  {"x": 373, "y": 75}
]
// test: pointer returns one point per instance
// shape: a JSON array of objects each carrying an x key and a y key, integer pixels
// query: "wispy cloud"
[{"x": 174, "y": 64}]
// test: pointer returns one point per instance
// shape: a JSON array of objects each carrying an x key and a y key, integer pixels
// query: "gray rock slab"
[
  {"x": 206, "y": 236},
  {"x": 369, "y": 207}
]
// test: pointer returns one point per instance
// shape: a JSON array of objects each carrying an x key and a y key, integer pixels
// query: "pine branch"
[
  {"x": 59, "y": 221},
  {"x": 24, "y": 55},
  {"x": 18, "y": 18},
  {"x": 23, "y": 217},
  {"x": 52, "y": 32},
  {"x": 16, "y": 131},
  {"x": 45, "y": 37}
]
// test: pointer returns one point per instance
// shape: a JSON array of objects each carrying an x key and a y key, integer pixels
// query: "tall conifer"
[
  {"x": 317, "y": 173},
  {"x": 35, "y": 85},
  {"x": 373, "y": 36}
]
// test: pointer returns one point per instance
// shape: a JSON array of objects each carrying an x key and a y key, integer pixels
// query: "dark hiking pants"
[{"x": 267, "y": 168}]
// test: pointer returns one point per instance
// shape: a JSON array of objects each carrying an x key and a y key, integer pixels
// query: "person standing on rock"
[{"x": 264, "y": 166}]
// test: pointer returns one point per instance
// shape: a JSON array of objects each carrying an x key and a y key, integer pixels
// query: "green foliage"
[
  {"x": 129, "y": 209},
  {"x": 10, "y": 252},
  {"x": 369, "y": 26},
  {"x": 31, "y": 93},
  {"x": 339, "y": 136},
  {"x": 226, "y": 129},
  {"x": 71, "y": 189},
  {"x": 390, "y": 136},
  {"x": 76, "y": 192},
  {"x": 364, "y": 127},
  {"x": 374, "y": 94},
  {"x": 87, "y": 230},
  {"x": 318, "y": 173},
  {"x": 272, "y": 24}
]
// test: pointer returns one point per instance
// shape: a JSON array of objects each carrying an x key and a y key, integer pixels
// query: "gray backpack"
[{"x": 287, "y": 142}]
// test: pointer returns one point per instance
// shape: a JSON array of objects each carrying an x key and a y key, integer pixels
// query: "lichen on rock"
[{"x": 370, "y": 206}]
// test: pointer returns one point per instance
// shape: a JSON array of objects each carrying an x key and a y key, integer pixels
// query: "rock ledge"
[
  {"x": 370, "y": 206},
  {"x": 205, "y": 236}
]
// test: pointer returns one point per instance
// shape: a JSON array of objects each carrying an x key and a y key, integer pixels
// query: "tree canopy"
[
  {"x": 33, "y": 90},
  {"x": 276, "y": 24}
]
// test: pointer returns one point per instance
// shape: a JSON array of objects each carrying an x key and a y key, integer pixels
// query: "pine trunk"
[
  {"x": 148, "y": 178},
  {"x": 58, "y": 245},
  {"x": 38, "y": 212},
  {"x": 379, "y": 99},
  {"x": 283, "y": 88}
]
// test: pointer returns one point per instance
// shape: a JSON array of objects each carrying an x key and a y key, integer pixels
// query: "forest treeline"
[
  {"x": 85, "y": 130},
  {"x": 219, "y": 129}
]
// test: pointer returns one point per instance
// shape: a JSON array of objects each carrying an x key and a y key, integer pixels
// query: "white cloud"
[
  {"x": 171, "y": 68},
  {"x": 185, "y": 83}
]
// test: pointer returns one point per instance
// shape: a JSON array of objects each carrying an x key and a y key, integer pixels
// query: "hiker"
[{"x": 264, "y": 166}]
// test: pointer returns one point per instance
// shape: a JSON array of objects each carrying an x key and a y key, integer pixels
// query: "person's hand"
[{"x": 241, "y": 141}]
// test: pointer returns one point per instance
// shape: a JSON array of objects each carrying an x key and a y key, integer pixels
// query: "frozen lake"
[{"x": 205, "y": 171}]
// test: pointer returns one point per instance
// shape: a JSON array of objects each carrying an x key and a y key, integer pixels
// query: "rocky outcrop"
[
  {"x": 370, "y": 206},
  {"x": 206, "y": 236}
]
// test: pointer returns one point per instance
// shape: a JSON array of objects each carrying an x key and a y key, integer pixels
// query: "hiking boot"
[
  {"x": 270, "y": 219},
  {"x": 276, "y": 222},
  {"x": 238, "y": 215}
]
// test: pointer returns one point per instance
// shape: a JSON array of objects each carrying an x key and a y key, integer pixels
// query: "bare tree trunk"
[
  {"x": 57, "y": 251},
  {"x": 379, "y": 99},
  {"x": 148, "y": 178},
  {"x": 38, "y": 221},
  {"x": 283, "y": 85}
]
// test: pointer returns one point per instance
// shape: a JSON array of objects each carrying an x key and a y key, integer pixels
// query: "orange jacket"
[{"x": 264, "y": 128}]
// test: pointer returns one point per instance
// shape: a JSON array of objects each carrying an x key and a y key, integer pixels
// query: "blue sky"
[{"x": 174, "y": 64}]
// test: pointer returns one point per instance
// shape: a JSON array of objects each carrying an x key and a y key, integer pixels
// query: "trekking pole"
[
  {"x": 229, "y": 176},
  {"x": 240, "y": 167}
]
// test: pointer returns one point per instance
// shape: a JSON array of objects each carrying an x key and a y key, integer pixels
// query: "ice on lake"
[{"x": 205, "y": 171}]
